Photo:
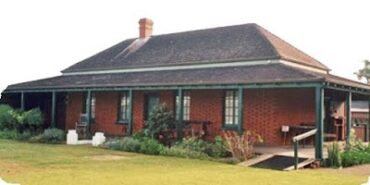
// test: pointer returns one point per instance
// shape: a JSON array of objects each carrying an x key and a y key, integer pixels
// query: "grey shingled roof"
[
  {"x": 245, "y": 42},
  {"x": 273, "y": 73}
]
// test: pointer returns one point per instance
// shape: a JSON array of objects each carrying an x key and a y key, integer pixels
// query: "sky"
[{"x": 39, "y": 38}]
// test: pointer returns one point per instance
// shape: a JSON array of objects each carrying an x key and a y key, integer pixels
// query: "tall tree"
[{"x": 364, "y": 72}]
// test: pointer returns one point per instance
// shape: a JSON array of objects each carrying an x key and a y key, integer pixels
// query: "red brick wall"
[
  {"x": 106, "y": 112},
  {"x": 206, "y": 105},
  {"x": 167, "y": 97},
  {"x": 106, "y": 116},
  {"x": 267, "y": 110},
  {"x": 138, "y": 110},
  {"x": 360, "y": 115},
  {"x": 360, "y": 132},
  {"x": 264, "y": 112},
  {"x": 73, "y": 109}
]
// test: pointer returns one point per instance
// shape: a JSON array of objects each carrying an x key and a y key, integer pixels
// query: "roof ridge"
[
  {"x": 265, "y": 33},
  {"x": 204, "y": 29},
  {"x": 267, "y": 40}
]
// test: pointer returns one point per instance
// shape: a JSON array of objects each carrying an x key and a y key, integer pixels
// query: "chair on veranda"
[{"x": 81, "y": 126}]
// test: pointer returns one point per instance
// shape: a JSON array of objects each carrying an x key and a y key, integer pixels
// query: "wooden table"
[{"x": 204, "y": 124}]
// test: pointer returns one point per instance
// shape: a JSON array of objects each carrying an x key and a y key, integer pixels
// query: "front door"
[{"x": 151, "y": 101}]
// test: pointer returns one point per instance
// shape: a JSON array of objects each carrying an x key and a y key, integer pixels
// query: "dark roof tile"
[{"x": 232, "y": 43}]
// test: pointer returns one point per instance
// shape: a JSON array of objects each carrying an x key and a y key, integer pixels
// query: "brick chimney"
[{"x": 146, "y": 27}]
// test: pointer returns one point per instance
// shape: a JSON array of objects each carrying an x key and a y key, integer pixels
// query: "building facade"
[{"x": 240, "y": 78}]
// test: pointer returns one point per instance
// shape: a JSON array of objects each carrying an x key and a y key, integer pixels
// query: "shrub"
[
  {"x": 15, "y": 135},
  {"x": 217, "y": 149},
  {"x": 33, "y": 118},
  {"x": 19, "y": 119},
  {"x": 184, "y": 153},
  {"x": 242, "y": 146},
  {"x": 9, "y": 134},
  {"x": 7, "y": 120},
  {"x": 160, "y": 123},
  {"x": 334, "y": 158},
  {"x": 25, "y": 135},
  {"x": 139, "y": 135},
  {"x": 193, "y": 144},
  {"x": 131, "y": 144},
  {"x": 150, "y": 146},
  {"x": 356, "y": 153},
  {"x": 16, "y": 119},
  {"x": 36, "y": 139},
  {"x": 53, "y": 136},
  {"x": 355, "y": 157}
]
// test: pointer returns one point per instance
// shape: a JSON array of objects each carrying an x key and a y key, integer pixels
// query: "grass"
[{"x": 60, "y": 164}]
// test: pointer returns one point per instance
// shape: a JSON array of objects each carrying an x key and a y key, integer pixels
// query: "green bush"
[
  {"x": 131, "y": 144},
  {"x": 193, "y": 144},
  {"x": 34, "y": 118},
  {"x": 150, "y": 146},
  {"x": 7, "y": 120},
  {"x": 216, "y": 149},
  {"x": 183, "y": 153},
  {"x": 9, "y": 134},
  {"x": 334, "y": 155},
  {"x": 53, "y": 136},
  {"x": 127, "y": 144},
  {"x": 355, "y": 157},
  {"x": 15, "y": 135},
  {"x": 25, "y": 135},
  {"x": 159, "y": 123},
  {"x": 36, "y": 139},
  {"x": 356, "y": 152},
  {"x": 20, "y": 120}
]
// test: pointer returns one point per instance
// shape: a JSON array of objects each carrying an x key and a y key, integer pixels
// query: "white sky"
[{"x": 39, "y": 38}]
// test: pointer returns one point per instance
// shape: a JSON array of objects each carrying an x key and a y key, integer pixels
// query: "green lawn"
[{"x": 60, "y": 164}]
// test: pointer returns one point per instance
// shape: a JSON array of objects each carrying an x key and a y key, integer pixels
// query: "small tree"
[
  {"x": 159, "y": 123},
  {"x": 34, "y": 119},
  {"x": 7, "y": 120},
  {"x": 364, "y": 72},
  {"x": 241, "y": 146}
]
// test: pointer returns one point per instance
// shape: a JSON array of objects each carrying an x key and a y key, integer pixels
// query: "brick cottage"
[{"x": 229, "y": 78}]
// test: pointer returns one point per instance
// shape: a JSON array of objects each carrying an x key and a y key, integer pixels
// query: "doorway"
[{"x": 151, "y": 101}]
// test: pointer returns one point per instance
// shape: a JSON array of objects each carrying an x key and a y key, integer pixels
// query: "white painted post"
[
  {"x": 98, "y": 139},
  {"x": 72, "y": 137}
]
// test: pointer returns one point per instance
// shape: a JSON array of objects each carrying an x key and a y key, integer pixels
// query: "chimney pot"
[{"x": 146, "y": 28}]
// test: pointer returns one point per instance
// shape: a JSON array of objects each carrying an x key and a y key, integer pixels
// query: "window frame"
[
  {"x": 120, "y": 119},
  {"x": 186, "y": 106},
  {"x": 92, "y": 106},
  {"x": 231, "y": 112}
]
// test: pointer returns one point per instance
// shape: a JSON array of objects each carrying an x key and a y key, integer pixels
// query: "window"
[
  {"x": 186, "y": 106},
  {"x": 231, "y": 108},
  {"x": 92, "y": 106},
  {"x": 123, "y": 107}
]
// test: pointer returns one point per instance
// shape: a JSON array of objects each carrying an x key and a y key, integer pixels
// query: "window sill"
[
  {"x": 234, "y": 127},
  {"x": 122, "y": 122}
]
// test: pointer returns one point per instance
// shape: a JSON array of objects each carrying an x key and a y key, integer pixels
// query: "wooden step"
[{"x": 301, "y": 165}]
